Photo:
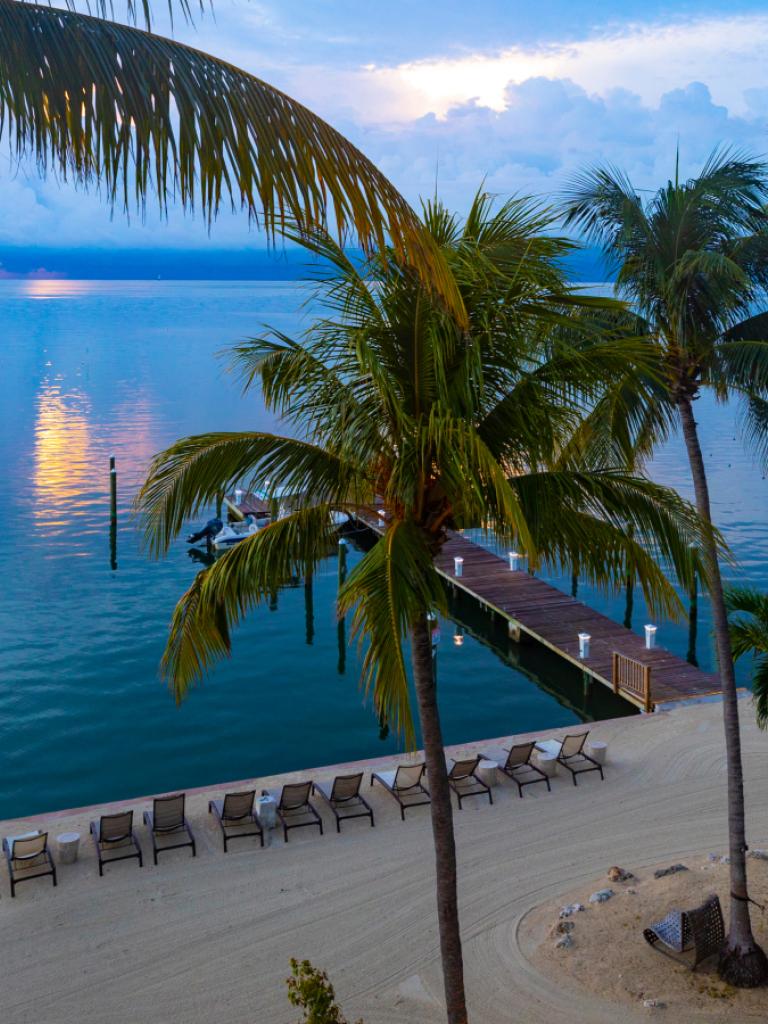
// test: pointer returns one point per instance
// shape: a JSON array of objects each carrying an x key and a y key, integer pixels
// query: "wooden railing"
[{"x": 632, "y": 678}]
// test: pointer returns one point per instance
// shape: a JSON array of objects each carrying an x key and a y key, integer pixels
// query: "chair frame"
[
  {"x": 283, "y": 813},
  {"x": 701, "y": 929},
  {"x": 182, "y": 826},
  {"x": 534, "y": 770},
  {"x": 594, "y": 766},
  {"x": 416, "y": 788},
  {"x": 45, "y": 852},
  {"x": 135, "y": 853},
  {"x": 228, "y": 821},
  {"x": 346, "y": 802},
  {"x": 454, "y": 780}
]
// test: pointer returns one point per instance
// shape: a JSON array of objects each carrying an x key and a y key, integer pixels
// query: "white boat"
[{"x": 232, "y": 533}]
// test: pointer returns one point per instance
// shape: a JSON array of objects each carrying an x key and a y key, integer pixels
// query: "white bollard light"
[
  {"x": 458, "y": 565},
  {"x": 514, "y": 560},
  {"x": 650, "y": 636},
  {"x": 238, "y": 495},
  {"x": 584, "y": 639}
]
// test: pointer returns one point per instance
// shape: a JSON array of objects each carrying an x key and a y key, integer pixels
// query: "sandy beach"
[{"x": 196, "y": 940}]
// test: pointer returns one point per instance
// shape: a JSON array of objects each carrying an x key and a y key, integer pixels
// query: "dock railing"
[{"x": 632, "y": 678}]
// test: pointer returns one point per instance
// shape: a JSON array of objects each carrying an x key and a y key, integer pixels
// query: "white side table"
[
  {"x": 548, "y": 764},
  {"x": 69, "y": 844},
  {"x": 486, "y": 772},
  {"x": 266, "y": 811},
  {"x": 597, "y": 750}
]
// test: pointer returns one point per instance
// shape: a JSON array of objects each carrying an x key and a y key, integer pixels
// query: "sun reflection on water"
[{"x": 63, "y": 452}]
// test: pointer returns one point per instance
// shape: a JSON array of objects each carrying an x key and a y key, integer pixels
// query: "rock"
[
  {"x": 616, "y": 874},
  {"x": 565, "y": 942},
  {"x": 725, "y": 860},
  {"x": 631, "y": 892},
  {"x": 601, "y": 895},
  {"x": 672, "y": 870},
  {"x": 571, "y": 908},
  {"x": 654, "y": 1004},
  {"x": 563, "y": 927},
  {"x": 713, "y": 858},
  {"x": 758, "y": 854}
]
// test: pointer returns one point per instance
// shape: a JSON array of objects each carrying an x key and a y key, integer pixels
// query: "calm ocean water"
[{"x": 93, "y": 368}]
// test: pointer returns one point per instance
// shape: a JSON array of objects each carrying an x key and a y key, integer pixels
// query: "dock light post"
[
  {"x": 458, "y": 565},
  {"x": 584, "y": 639},
  {"x": 238, "y": 495},
  {"x": 514, "y": 560},
  {"x": 650, "y": 636},
  {"x": 458, "y": 637}
]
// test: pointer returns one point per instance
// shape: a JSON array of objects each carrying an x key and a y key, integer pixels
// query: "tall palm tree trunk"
[
  {"x": 742, "y": 961},
  {"x": 442, "y": 822}
]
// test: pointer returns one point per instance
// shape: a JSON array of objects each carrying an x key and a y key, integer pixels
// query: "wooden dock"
[{"x": 647, "y": 678}]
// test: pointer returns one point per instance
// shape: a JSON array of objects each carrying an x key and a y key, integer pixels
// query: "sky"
[{"x": 449, "y": 95}]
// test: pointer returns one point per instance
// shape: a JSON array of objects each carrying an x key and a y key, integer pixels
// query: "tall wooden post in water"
[
  {"x": 112, "y": 513},
  {"x": 341, "y": 627}
]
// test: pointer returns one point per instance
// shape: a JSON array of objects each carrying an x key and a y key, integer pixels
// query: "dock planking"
[{"x": 555, "y": 619}]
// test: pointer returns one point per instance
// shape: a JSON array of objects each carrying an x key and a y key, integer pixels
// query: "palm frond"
[
  {"x": 387, "y": 590},
  {"x": 106, "y": 103},
  {"x": 243, "y": 577}
]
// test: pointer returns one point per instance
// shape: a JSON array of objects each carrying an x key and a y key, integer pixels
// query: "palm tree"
[
  {"x": 390, "y": 401},
  {"x": 692, "y": 260},
  {"x": 748, "y": 609},
  {"x": 136, "y": 114}
]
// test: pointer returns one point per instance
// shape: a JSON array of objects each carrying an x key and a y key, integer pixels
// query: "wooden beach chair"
[
  {"x": 166, "y": 821},
  {"x": 28, "y": 857},
  {"x": 344, "y": 799},
  {"x": 236, "y": 816},
  {"x": 113, "y": 834},
  {"x": 464, "y": 781},
  {"x": 700, "y": 930},
  {"x": 570, "y": 754},
  {"x": 294, "y": 808},
  {"x": 517, "y": 764},
  {"x": 405, "y": 785}
]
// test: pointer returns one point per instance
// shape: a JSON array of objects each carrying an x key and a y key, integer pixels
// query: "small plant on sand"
[{"x": 311, "y": 989}]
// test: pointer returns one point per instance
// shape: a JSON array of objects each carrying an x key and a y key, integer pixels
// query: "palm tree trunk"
[
  {"x": 442, "y": 823},
  {"x": 742, "y": 961}
]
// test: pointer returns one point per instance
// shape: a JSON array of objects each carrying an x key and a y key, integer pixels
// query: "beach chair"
[
  {"x": 236, "y": 816},
  {"x": 294, "y": 808},
  {"x": 405, "y": 785},
  {"x": 28, "y": 857},
  {"x": 166, "y": 821},
  {"x": 464, "y": 781},
  {"x": 570, "y": 754},
  {"x": 516, "y": 763},
  {"x": 113, "y": 833},
  {"x": 700, "y": 930},
  {"x": 344, "y": 799}
]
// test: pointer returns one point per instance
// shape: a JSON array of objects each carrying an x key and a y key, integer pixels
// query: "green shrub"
[{"x": 310, "y": 989}]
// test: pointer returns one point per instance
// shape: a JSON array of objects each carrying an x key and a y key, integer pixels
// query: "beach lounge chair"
[
  {"x": 405, "y": 785},
  {"x": 294, "y": 808},
  {"x": 344, "y": 799},
  {"x": 166, "y": 821},
  {"x": 701, "y": 930},
  {"x": 516, "y": 763},
  {"x": 113, "y": 833},
  {"x": 570, "y": 754},
  {"x": 28, "y": 857},
  {"x": 236, "y": 816},
  {"x": 464, "y": 781}
]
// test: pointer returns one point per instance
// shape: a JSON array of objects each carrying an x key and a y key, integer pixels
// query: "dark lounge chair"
[
  {"x": 573, "y": 758},
  {"x": 166, "y": 821},
  {"x": 294, "y": 808},
  {"x": 113, "y": 833},
  {"x": 28, "y": 857},
  {"x": 701, "y": 930},
  {"x": 516, "y": 763},
  {"x": 405, "y": 785},
  {"x": 236, "y": 816},
  {"x": 464, "y": 781},
  {"x": 344, "y": 799}
]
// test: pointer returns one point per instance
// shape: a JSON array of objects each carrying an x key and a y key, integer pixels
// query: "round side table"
[
  {"x": 486, "y": 772},
  {"x": 69, "y": 844}
]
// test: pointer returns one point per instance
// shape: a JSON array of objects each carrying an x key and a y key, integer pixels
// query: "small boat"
[{"x": 233, "y": 533}]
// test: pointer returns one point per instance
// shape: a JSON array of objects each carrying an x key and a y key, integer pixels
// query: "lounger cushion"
[
  {"x": 10, "y": 840},
  {"x": 551, "y": 747}
]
